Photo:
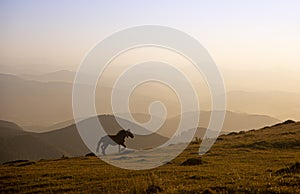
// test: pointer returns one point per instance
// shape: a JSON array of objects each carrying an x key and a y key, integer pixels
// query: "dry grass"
[{"x": 238, "y": 163}]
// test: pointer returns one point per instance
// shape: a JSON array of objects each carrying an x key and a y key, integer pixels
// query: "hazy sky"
[{"x": 240, "y": 35}]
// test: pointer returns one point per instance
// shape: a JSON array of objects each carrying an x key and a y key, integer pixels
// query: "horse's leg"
[
  {"x": 119, "y": 148},
  {"x": 122, "y": 149},
  {"x": 123, "y": 146},
  {"x": 103, "y": 150},
  {"x": 98, "y": 145},
  {"x": 103, "y": 147}
]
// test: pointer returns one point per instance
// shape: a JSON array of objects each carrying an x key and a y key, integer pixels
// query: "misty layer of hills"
[{"x": 36, "y": 102}]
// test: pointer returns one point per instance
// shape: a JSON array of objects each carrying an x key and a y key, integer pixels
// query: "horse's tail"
[{"x": 98, "y": 145}]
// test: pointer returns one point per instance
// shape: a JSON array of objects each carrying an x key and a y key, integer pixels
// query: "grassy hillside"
[{"x": 258, "y": 161}]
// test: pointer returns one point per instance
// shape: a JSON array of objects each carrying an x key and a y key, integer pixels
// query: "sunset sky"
[{"x": 254, "y": 39}]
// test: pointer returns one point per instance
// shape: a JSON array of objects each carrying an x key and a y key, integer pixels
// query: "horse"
[{"x": 118, "y": 139}]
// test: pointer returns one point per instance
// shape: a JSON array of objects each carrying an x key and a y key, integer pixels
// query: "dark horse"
[{"x": 118, "y": 139}]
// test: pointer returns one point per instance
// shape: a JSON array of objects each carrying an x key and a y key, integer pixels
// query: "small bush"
[
  {"x": 295, "y": 168},
  {"x": 90, "y": 155},
  {"x": 192, "y": 162},
  {"x": 153, "y": 189}
]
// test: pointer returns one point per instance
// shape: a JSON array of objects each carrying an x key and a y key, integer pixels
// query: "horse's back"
[{"x": 108, "y": 139}]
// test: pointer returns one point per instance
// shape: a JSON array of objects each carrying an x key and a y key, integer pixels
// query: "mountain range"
[{"x": 50, "y": 104}]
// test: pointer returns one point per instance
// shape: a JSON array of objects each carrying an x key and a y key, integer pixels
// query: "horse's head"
[{"x": 129, "y": 134}]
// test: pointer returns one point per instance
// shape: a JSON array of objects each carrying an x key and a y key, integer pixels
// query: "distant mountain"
[
  {"x": 243, "y": 121},
  {"x": 233, "y": 121},
  {"x": 10, "y": 129},
  {"x": 34, "y": 103},
  {"x": 139, "y": 117},
  {"x": 31, "y": 69},
  {"x": 282, "y": 105},
  {"x": 57, "y": 76},
  {"x": 41, "y": 129}
]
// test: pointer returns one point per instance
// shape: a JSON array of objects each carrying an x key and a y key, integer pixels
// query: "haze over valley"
[{"x": 37, "y": 102}]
